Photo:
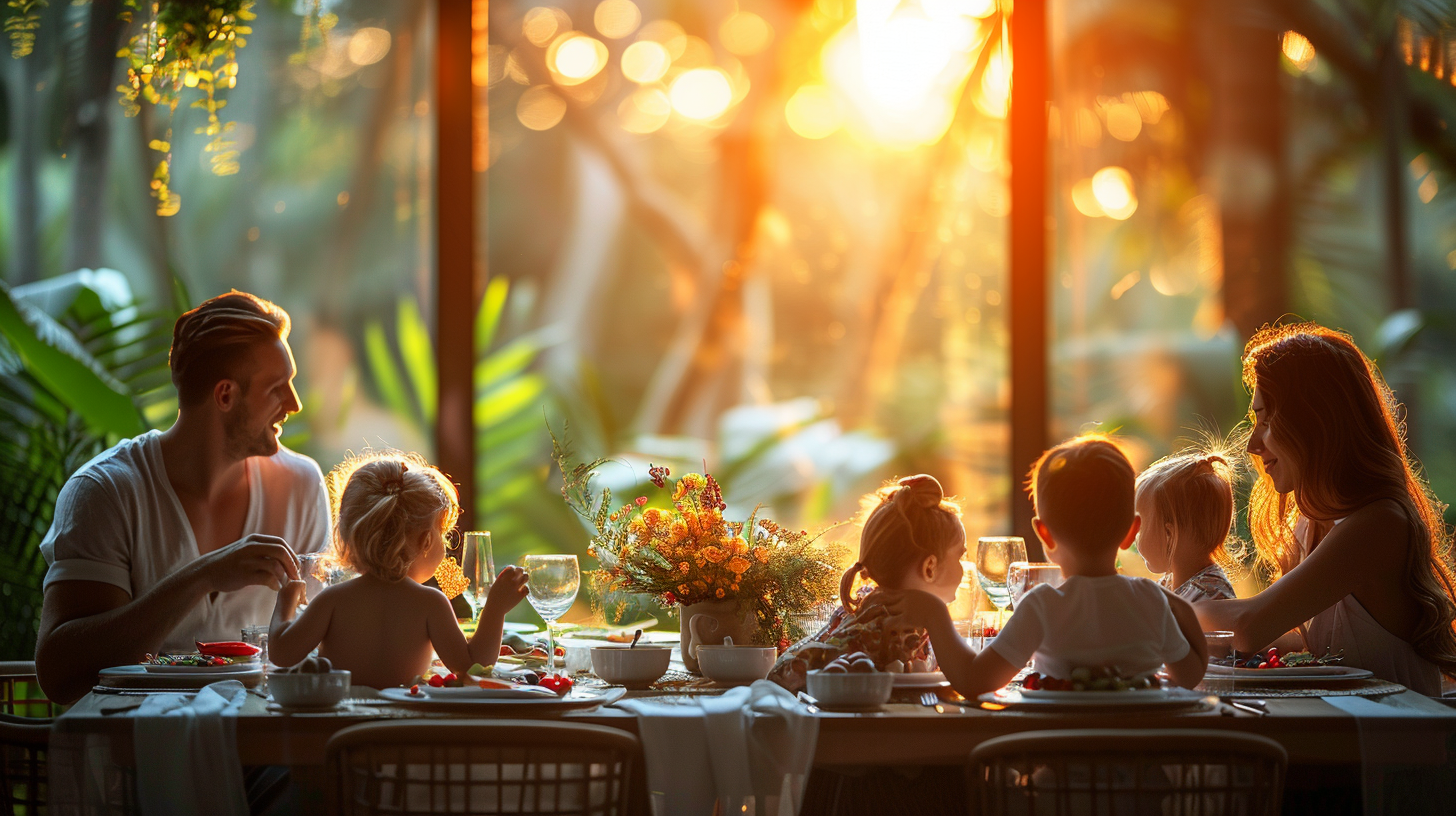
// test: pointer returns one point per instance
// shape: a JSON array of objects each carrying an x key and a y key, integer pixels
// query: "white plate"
[
  {"x": 660, "y": 638},
  {"x": 1108, "y": 700},
  {"x": 231, "y": 668},
  {"x": 478, "y": 693},
  {"x": 576, "y": 699},
  {"x": 1293, "y": 673},
  {"x": 920, "y": 680}
]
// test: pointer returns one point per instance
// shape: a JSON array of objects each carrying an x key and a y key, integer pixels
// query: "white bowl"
[
  {"x": 634, "y": 668},
  {"x": 300, "y": 690},
  {"x": 851, "y": 689},
  {"x": 736, "y": 664}
]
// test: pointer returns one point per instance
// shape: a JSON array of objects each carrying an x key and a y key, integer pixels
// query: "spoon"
[{"x": 635, "y": 638}]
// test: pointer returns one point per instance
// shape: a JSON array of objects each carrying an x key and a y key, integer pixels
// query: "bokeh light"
[
  {"x": 1085, "y": 201},
  {"x": 1123, "y": 121},
  {"x": 669, "y": 34},
  {"x": 645, "y": 61},
  {"x": 540, "y": 108},
  {"x": 745, "y": 34},
  {"x": 368, "y": 45},
  {"x": 702, "y": 94},
  {"x": 616, "y": 19},
  {"x": 543, "y": 23},
  {"x": 1112, "y": 187},
  {"x": 1298, "y": 50},
  {"x": 646, "y": 110},
  {"x": 813, "y": 112},
  {"x": 575, "y": 58}
]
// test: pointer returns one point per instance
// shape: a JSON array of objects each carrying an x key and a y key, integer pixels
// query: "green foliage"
[
  {"x": 79, "y": 367},
  {"x": 21, "y": 25}
]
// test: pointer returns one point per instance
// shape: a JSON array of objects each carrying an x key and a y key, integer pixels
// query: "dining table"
[{"x": 1337, "y": 745}]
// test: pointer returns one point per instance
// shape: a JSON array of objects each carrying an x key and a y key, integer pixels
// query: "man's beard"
[{"x": 245, "y": 439}]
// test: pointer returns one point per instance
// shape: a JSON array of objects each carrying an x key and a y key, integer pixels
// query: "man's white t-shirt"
[
  {"x": 1110, "y": 620},
  {"x": 119, "y": 522}
]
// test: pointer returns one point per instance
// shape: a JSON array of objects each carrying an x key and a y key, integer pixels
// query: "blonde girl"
[
  {"x": 910, "y": 538},
  {"x": 385, "y": 626},
  {"x": 1186, "y": 502}
]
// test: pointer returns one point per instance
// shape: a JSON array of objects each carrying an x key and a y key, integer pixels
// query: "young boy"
[{"x": 1082, "y": 491}]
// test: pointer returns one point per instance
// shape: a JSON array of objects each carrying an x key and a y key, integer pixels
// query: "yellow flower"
[
  {"x": 654, "y": 518},
  {"x": 738, "y": 565}
]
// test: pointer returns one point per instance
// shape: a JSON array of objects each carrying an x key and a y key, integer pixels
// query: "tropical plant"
[{"x": 80, "y": 367}]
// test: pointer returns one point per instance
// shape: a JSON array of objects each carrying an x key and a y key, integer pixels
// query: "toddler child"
[
  {"x": 393, "y": 516},
  {"x": 1082, "y": 491},
  {"x": 1186, "y": 503},
  {"x": 910, "y": 538}
]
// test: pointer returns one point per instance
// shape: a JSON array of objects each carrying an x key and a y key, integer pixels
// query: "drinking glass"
[
  {"x": 1023, "y": 576},
  {"x": 994, "y": 556},
  {"x": 552, "y": 582},
  {"x": 478, "y": 563},
  {"x": 1220, "y": 654}
]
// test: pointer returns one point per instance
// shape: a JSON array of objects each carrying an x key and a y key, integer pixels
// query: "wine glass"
[
  {"x": 994, "y": 556},
  {"x": 478, "y": 563},
  {"x": 1023, "y": 576},
  {"x": 551, "y": 587}
]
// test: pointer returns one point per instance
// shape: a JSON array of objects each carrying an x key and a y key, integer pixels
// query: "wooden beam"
[
  {"x": 1029, "y": 237},
  {"x": 455, "y": 292}
]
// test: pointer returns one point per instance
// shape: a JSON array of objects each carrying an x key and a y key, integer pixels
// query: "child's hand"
[
  {"x": 290, "y": 598},
  {"x": 507, "y": 591}
]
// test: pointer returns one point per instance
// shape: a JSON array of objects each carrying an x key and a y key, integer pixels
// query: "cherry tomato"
[
  {"x": 1263, "y": 665},
  {"x": 558, "y": 683},
  {"x": 1032, "y": 682},
  {"x": 415, "y": 689},
  {"x": 436, "y": 681},
  {"x": 450, "y": 678},
  {"x": 506, "y": 651}
]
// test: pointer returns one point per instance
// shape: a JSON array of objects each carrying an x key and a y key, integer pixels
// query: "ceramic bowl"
[
  {"x": 634, "y": 668},
  {"x": 299, "y": 690},
  {"x": 850, "y": 689},
  {"x": 736, "y": 664}
]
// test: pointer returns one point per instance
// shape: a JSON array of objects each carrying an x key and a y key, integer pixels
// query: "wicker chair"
[
  {"x": 20, "y": 694},
  {"x": 1169, "y": 772},
  {"x": 23, "y": 742},
  {"x": 482, "y": 767}
]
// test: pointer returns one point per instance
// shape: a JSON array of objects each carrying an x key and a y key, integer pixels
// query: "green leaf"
[
  {"x": 386, "y": 374},
  {"x": 509, "y": 399},
  {"x": 418, "y": 356},
  {"x": 512, "y": 359},
  {"x": 57, "y": 360},
  {"x": 488, "y": 318}
]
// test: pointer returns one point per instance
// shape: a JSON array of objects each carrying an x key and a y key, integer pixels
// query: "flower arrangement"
[{"x": 689, "y": 552}]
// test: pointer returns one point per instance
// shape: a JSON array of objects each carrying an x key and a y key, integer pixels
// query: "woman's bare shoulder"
[{"x": 1383, "y": 520}]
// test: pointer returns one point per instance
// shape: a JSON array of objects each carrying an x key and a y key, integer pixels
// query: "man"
[{"x": 185, "y": 534}]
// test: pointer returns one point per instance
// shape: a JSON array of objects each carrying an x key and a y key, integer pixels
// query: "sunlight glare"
[
  {"x": 702, "y": 94},
  {"x": 645, "y": 61},
  {"x": 1112, "y": 186},
  {"x": 745, "y": 34},
  {"x": 994, "y": 100},
  {"x": 616, "y": 19},
  {"x": 368, "y": 46},
  {"x": 1124, "y": 122},
  {"x": 1298, "y": 50},
  {"x": 542, "y": 23},
  {"x": 670, "y": 34},
  {"x": 645, "y": 111},
  {"x": 575, "y": 58},
  {"x": 1085, "y": 201},
  {"x": 813, "y": 112},
  {"x": 540, "y": 108}
]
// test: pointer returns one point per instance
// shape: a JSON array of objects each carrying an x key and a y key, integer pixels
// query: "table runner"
[
  {"x": 1370, "y": 687},
  {"x": 1403, "y": 772}
]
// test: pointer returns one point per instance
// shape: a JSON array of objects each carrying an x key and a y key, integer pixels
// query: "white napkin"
[
  {"x": 750, "y": 748},
  {"x": 191, "y": 751},
  {"x": 1403, "y": 771}
]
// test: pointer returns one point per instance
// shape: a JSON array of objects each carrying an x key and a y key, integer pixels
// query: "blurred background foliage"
[{"x": 765, "y": 237}]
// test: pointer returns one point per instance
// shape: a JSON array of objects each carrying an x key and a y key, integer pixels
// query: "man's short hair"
[
  {"x": 210, "y": 340},
  {"x": 1083, "y": 490}
]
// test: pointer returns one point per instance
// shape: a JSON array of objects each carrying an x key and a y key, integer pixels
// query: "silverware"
[
  {"x": 810, "y": 704},
  {"x": 635, "y": 638},
  {"x": 1255, "y": 707},
  {"x": 930, "y": 699}
]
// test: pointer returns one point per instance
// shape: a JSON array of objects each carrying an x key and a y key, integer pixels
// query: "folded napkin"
[
  {"x": 749, "y": 750},
  {"x": 1404, "y": 770},
  {"x": 191, "y": 750}
]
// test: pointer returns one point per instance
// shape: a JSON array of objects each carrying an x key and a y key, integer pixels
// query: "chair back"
[
  {"x": 23, "y": 742},
  {"x": 1109, "y": 771},
  {"x": 20, "y": 693},
  {"x": 482, "y": 767}
]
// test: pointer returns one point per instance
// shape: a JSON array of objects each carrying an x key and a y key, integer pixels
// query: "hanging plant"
[
  {"x": 185, "y": 44},
  {"x": 24, "y": 19},
  {"x": 314, "y": 36}
]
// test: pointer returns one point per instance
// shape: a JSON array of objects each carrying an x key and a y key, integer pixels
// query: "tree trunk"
[
  {"x": 26, "y": 122},
  {"x": 90, "y": 142}
]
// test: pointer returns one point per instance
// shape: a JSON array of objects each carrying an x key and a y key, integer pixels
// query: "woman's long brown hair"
[{"x": 1329, "y": 407}]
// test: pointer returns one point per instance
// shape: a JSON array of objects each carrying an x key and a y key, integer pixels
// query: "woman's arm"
[
  {"x": 290, "y": 639},
  {"x": 1339, "y": 566}
]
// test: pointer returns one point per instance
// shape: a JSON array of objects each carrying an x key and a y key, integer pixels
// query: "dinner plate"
[
  {"x": 600, "y": 639},
  {"x": 1293, "y": 673},
  {"x": 137, "y": 677},
  {"x": 478, "y": 693},
  {"x": 231, "y": 668},
  {"x": 920, "y": 680},
  {"x": 578, "y": 698},
  {"x": 1112, "y": 701}
]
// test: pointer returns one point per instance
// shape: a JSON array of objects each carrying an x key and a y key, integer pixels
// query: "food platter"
[
  {"x": 577, "y": 699},
  {"x": 1292, "y": 674},
  {"x": 1111, "y": 701}
]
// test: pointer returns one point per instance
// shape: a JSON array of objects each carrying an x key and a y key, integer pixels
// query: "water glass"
[
  {"x": 257, "y": 635},
  {"x": 1023, "y": 576},
  {"x": 1219, "y": 678},
  {"x": 994, "y": 556},
  {"x": 478, "y": 563},
  {"x": 552, "y": 584}
]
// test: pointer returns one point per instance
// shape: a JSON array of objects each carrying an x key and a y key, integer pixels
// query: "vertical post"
[
  {"x": 1029, "y": 234},
  {"x": 455, "y": 296}
]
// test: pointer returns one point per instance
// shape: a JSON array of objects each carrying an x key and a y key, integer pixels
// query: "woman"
[{"x": 1352, "y": 536}]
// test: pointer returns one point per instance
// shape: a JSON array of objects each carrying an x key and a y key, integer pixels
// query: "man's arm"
[{"x": 86, "y": 626}]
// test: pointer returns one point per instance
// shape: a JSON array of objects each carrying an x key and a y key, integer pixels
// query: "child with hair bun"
[
  {"x": 385, "y": 626},
  {"x": 910, "y": 538},
  {"x": 1186, "y": 502}
]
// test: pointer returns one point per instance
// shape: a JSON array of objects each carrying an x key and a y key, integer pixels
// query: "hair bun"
[{"x": 922, "y": 490}]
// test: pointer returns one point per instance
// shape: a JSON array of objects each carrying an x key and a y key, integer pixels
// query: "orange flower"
[
  {"x": 720, "y": 592},
  {"x": 714, "y": 554},
  {"x": 761, "y": 554},
  {"x": 738, "y": 565}
]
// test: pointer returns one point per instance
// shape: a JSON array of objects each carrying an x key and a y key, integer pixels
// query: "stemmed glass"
[
  {"x": 994, "y": 556},
  {"x": 478, "y": 563},
  {"x": 1023, "y": 576},
  {"x": 552, "y": 583}
]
